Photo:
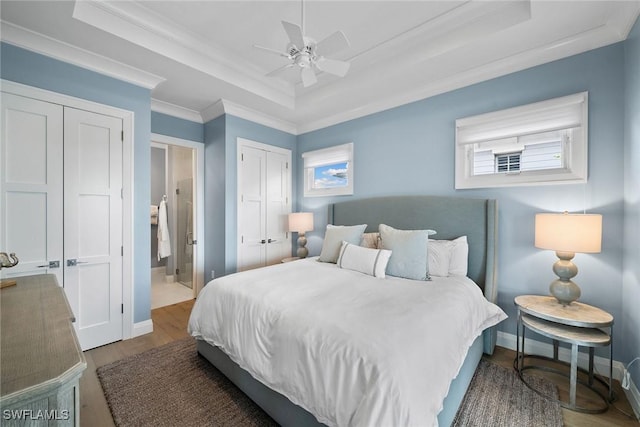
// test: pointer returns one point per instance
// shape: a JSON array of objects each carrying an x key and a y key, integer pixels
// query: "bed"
[{"x": 293, "y": 340}]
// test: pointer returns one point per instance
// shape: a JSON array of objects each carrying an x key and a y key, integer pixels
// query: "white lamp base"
[
  {"x": 302, "y": 251},
  {"x": 564, "y": 289}
]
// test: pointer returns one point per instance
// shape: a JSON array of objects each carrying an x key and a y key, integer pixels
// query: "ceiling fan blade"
[
  {"x": 268, "y": 49},
  {"x": 333, "y": 66},
  {"x": 332, "y": 44},
  {"x": 308, "y": 77},
  {"x": 294, "y": 32},
  {"x": 279, "y": 70}
]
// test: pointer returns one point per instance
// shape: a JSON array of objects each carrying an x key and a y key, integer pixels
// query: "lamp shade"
[
  {"x": 565, "y": 232},
  {"x": 301, "y": 222}
]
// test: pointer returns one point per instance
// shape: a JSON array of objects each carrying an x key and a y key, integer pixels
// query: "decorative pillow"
[
  {"x": 370, "y": 240},
  {"x": 410, "y": 252},
  {"x": 335, "y": 235},
  {"x": 448, "y": 257},
  {"x": 365, "y": 260}
]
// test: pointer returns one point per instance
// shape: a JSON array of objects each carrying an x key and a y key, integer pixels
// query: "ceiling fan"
[{"x": 307, "y": 54}]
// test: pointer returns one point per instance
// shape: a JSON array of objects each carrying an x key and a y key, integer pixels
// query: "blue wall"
[
  {"x": 164, "y": 124},
  {"x": 36, "y": 70},
  {"x": 631, "y": 275},
  {"x": 221, "y": 184},
  {"x": 410, "y": 150}
]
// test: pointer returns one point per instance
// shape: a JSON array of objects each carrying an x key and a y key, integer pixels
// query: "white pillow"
[
  {"x": 334, "y": 236},
  {"x": 448, "y": 257},
  {"x": 370, "y": 240},
  {"x": 365, "y": 260},
  {"x": 410, "y": 252}
]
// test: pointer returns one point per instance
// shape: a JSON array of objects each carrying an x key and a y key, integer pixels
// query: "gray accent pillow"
[
  {"x": 335, "y": 235},
  {"x": 410, "y": 256}
]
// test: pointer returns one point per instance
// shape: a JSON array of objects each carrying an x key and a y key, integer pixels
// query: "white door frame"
[
  {"x": 243, "y": 142},
  {"x": 127, "y": 180},
  {"x": 198, "y": 148}
]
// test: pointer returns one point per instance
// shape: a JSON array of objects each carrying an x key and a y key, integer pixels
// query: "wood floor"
[{"x": 170, "y": 323}]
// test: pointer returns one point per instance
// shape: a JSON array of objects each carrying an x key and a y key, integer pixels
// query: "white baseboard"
[
  {"x": 142, "y": 328},
  {"x": 633, "y": 396}
]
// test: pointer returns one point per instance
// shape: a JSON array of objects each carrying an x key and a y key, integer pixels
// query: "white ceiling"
[{"x": 198, "y": 58}]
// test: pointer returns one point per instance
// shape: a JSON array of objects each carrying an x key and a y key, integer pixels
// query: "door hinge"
[
  {"x": 121, "y": 250},
  {"x": 177, "y": 271},
  {"x": 122, "y": 193},
  {"x": 194, "y": 242},
  {"x": 242, "y": 157},
  {"x": 177, "y": 191},
  {"x": 122, "y": 135},
  {"x": 241, "y": 239},
  {"x": 287, "y": 165},
  {"x": 121, "y": 308}
]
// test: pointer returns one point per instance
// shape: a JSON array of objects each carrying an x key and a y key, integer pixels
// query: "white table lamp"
[
  {"x": 301, "y": 222},
  {"x": 567, "y": 234}
]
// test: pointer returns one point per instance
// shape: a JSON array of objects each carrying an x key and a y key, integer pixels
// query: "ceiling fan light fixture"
[{"x": 308, "y": 54}]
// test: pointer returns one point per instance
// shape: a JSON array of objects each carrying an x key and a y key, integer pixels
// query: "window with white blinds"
[
  {"x": 548, "y": 139},
  {"x": 329, "y": 171}
]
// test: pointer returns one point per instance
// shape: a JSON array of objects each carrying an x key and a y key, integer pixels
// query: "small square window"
[{"x": 328, "y": 172}]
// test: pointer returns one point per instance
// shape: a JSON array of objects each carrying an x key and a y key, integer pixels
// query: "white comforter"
[{"x": 349, "y": 348}]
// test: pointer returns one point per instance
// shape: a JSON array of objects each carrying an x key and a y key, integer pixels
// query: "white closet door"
[
  {"x": 264, "y": 194},
  {"x": 252, "y": 209},
  {"x": 31, "y": 213},
  {"x": 277, "y": 208},
  {"x": 93, "y": 225}
]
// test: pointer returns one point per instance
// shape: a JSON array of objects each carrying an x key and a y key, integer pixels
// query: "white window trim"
[
  {"x": 327, "y": 156},
  {"x": 553, "y": 114}
]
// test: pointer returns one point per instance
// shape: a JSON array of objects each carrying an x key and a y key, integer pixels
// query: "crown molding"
[
  {"x": 175, "y": 111},
  {"x": 36, "y": 42},
  {"x": 224, "y": 106},
  {"x": 598, "y": 37},
  {"x": 137, "y": 24}
]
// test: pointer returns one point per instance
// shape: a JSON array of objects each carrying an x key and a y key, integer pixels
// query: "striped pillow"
[{"x": 365, "y": 260}]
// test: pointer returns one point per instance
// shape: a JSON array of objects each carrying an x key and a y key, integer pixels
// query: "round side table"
[{"x": 577, "y": 324}]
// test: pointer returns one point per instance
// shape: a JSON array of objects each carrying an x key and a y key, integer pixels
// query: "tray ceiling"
[{"x": 198, "y": 58}]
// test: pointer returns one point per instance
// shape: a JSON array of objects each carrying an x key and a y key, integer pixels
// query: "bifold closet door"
[
  {"x": 252, "y": 212},
  {"x": 31, "y": 186},
  {"x": 93, "y": 224},
  {"x": 263, "y": 185}
]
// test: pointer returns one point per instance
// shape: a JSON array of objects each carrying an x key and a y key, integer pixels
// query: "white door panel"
[
  {"x": 93, "y": 224},
  {"x": 251, "y": 215},
  {"x": 31, "y": 185},
  {"x": 277, "y": 208}
]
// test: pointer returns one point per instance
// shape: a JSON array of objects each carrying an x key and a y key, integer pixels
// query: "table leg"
[
  {"x": 574, "y": 374},
  {"x": 591, "y": 350},
  {"x": 611, "y": 364}
]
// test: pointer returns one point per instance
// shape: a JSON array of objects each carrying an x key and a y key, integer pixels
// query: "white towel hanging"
[{"x": 164, "y": 243}]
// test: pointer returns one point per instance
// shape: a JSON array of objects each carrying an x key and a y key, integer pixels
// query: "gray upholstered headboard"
[{"x": 451, "y": 217}]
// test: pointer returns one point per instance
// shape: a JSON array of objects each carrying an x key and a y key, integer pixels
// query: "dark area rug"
[{"x": 173, "y": 386}]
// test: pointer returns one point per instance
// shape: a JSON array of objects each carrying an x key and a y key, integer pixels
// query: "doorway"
[{"x": 175, "y": 271}]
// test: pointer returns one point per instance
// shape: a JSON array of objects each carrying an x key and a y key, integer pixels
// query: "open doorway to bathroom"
[{"x": 174, "y": 221}]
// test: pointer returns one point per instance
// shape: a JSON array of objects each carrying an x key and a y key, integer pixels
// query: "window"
[
  {"x": 328, "y": 172},
  {"x": 508, "y": 162},
  {"x": 532, "y": 144}
]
